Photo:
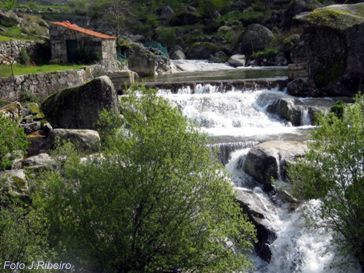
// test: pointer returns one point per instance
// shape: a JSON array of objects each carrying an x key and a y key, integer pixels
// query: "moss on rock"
[{"x": 335, "y": 16}]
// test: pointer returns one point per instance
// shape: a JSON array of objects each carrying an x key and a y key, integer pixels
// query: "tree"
[
  {"x": 155, "y": 201},
  {"x": 333, "y": 170}
]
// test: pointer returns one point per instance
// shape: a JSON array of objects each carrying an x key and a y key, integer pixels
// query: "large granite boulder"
[
  {"x": 255, "y": 38},
  {"x": 302, "y": 111},
  {"x": 259, "y": 210},
  {"x": 80, "y": 107},
  {"x": 147, "y": 63},
  {"x": 268, "y": 160},
  {"x": 332, "y": 44}
]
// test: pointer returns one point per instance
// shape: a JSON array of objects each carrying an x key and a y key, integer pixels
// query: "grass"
[
  {"x": 15, "y": 33},
  {"x": 5, "y": 38},
  {"x": 5, "y": 70}
]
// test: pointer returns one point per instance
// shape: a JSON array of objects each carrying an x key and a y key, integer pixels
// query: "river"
[{"x": 235, "y": 120}]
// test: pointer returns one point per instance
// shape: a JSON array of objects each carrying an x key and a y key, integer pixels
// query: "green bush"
[
  {"x": 12, "y": 138},
  {"x": 23, "y": 237},
  {"x": 266, "y": 53},
  {"x": 167, "y": 35},
  {"x": 23, "y": 57},
  {"x": 28, "y": 96},
  {"x": 155, "y": 201},
  {"x": 333, "y": 171}
]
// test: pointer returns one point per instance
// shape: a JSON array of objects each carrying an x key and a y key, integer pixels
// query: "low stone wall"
[
  {"x": 9, "y": 50},
  {"x": 43, "y": 84}
]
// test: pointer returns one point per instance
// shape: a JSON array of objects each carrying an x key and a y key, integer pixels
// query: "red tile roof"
[{"x": 90, "y": 32}]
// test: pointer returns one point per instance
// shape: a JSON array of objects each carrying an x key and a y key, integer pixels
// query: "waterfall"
[{"x": 239, "y": 115}]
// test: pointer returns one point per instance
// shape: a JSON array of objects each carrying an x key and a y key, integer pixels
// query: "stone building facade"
[{"x": 71, "y": 43}]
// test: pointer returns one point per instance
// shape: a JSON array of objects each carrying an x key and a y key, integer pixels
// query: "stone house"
[{"x": 71, "y": 43}]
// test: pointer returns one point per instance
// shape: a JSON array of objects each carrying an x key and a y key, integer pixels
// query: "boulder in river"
[
  {"x": 258, "y": 210},
  {"x": 268, "y": 160},
  {"x": 80, "y": 107},
  {"x": 237, "y": 60},
  {"x": 255, "y": 38},
  {"x": 332, "y": 43}
]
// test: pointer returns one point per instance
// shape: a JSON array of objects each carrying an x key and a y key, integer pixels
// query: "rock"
[
  {"x": 31, "y": 127},
  {"x": 185, "y": 18},
  {"x": 80, "y": 107},
  {"x": 237, "y": 60},
  {"x": 202, "y": 50},
  {"x": 259, "y": 212},
  {"x": 287, "y": 109},
  {"x": 165, "y": 13},
  {"x": 13, "y": 184},
  {"x": 86, "y": 140},
  {"x": 147, "y": 63},
  {"x": 219, "y": 57},
  {"x": 124, "y": 78},
  {"x": 9, "y": 19},
  {"x": 12, "y": 110},
  {"x": 255, "y": 38},
  {"x": 301, "y": 111},
  {"x": 40, "y": 161},
  {"x": 266, "y": 161},
  {"x": 298, "y": 6},
  {"x": 332, "y": 44},
  {"x": 303, "y": 87},
  {"x": 177, "y": 54},
  {"x": 38, "y": 143}
]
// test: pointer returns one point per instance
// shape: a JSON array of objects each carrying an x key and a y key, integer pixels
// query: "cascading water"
[{"x": 241, "y": 115}]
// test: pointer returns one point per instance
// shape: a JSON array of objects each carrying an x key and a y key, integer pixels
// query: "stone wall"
[
  {"x": 43, "y": 84},
  {"x": 9, "y": 50}
]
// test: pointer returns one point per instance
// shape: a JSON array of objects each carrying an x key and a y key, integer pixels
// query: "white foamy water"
[
  {"x": 233, "y": 113},
  {"x": 205, "y": 65},
  {"x": 200, "y": 65},
  {"x": 297, "y": 249}
]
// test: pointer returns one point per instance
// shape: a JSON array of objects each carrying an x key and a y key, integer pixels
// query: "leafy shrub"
[
  {"x": 23, "y": 236},
  {"x": 333, "y": 172},
  {"x": 28, "y": 96},
  {"x": 167, "y": 35},
  {"x": 23, "y": 57},
  {"x": 155, "y": 201},
  {"x": 12, "y": 138},
  {"x": 266, "y": 53}
]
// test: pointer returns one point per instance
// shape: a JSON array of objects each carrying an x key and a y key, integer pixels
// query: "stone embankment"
[
  {"x": 10, "y": 50},
  {"x": 43, "y": 84}
]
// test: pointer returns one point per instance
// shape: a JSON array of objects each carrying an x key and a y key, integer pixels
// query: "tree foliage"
[
  {"x": 333, "y": 171},
  {"x": 155, "y": 201},
  {"x": 12, "y": 138}
]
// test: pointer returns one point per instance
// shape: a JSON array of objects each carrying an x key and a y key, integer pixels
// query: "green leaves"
[
  {"x": 333, "y": 171},
  {"x": 12, "y": 138},
  {"x": 154, "y": 201}
]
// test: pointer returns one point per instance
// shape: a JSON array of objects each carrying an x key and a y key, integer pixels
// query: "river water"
[{"x": 235, "y": 121}]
